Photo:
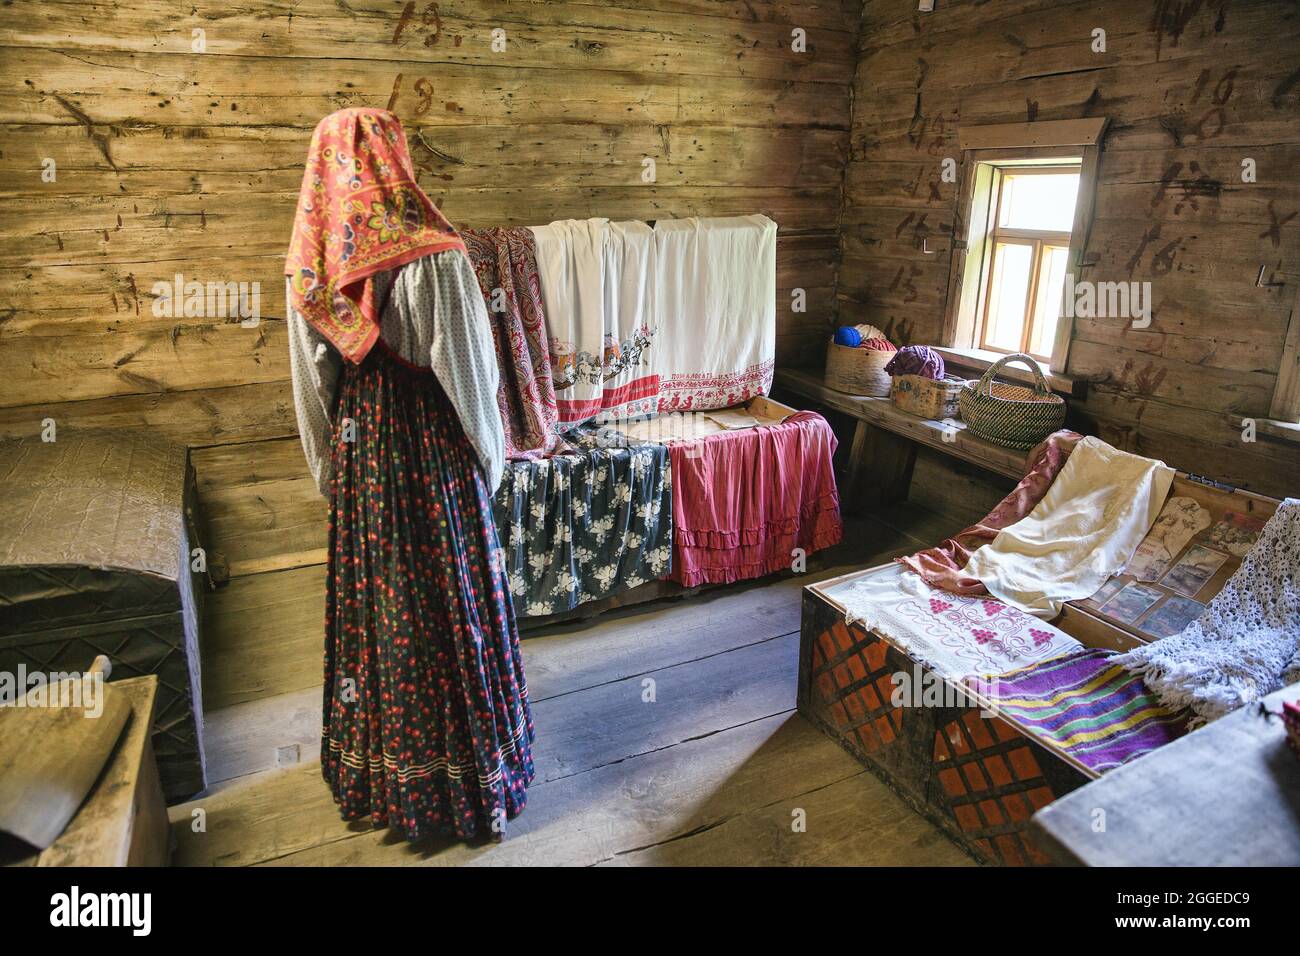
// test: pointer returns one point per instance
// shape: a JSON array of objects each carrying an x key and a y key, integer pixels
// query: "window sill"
[{"x": 979, "y": 360}]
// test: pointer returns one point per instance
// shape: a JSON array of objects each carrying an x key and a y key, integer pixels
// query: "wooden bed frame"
[{"x": 977, "y": 774}]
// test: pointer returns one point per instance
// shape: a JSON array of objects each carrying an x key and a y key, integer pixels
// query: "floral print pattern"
[
  {"x": 505, "y": 263},
  {"x": 584, "y": 526},
  {"x": 427, "y": 726}
]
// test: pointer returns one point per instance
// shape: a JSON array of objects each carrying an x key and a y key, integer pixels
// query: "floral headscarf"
[{"x": 360, "y": 212}]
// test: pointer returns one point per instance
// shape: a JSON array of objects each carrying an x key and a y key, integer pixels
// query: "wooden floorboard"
[
  {"x": 579, "y": 731},
  {"x": 855, "y": 821},
  {"x": 742, "y": 784},
  {"x": 710, "y": 771}
]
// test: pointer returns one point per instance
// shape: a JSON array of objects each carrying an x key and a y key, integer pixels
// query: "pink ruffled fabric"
[{"x": 743, "y": 501}]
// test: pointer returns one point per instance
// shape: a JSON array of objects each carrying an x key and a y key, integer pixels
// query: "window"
[
  {"x": 1029, "y": 247},
  {"x": 1026, "y": 208},
  {"x": 1286, "y": 392}
]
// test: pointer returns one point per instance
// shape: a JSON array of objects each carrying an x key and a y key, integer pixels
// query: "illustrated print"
[
  {"x": 1193, "y": 570},
  {"x": 1132, "y": 602},
  {"x": 1179, "y": 520},
  {"x": 1235, "y": 533},
  {"x": 1172, "y": 617}
]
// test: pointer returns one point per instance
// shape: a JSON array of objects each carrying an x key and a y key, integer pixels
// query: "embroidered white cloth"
[
  {"x": 1246, "y": 643},
  {"x": 630, "y": 386},
  {"x": 571, "y": 266},
  {"x": 954, "y": 635},
  {"x": 715, "y": 295},
  {"x": 597, "y": 282},
  {"x": 1084, "y": 529}
]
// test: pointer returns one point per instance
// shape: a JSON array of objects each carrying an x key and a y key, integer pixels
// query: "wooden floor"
[{"x": 714, "y": 771}]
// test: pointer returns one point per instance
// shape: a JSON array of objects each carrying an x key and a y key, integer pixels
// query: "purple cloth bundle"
[{"x": 916, "y": 360}]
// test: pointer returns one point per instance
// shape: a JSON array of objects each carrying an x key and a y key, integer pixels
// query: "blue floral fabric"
[{"x": 585, "y": 526}]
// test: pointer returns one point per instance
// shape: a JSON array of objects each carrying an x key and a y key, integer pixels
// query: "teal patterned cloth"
[{"x": 585, "y": 526}]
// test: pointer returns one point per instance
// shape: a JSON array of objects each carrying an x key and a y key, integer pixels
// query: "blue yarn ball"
[{"x": 848, "y": 335}]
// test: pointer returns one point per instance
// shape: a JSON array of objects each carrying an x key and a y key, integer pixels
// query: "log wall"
[
  {"x": 168, "y": 160},
  {"x": 174, "y": 161},
  {"x": 1192, "y": 89}
]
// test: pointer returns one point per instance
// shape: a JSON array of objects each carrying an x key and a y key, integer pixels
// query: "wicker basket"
[
  {"x": 1012, "y": 415},
  {"x": 927, "y": 397},
  {"x": 858, "y": 371}
]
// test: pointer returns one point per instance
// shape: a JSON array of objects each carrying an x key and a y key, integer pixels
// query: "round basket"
[
  {"x": 858, "y": 371},
  {"x": 1012, "y": 415}
]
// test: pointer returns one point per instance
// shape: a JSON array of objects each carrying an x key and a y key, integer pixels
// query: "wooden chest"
[
  {"x": 978, "y": 774},
  {"x": 97, "y": 543}
]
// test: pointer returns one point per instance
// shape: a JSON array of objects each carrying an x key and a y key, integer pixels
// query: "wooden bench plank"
[{"x": 950, "y": 436}]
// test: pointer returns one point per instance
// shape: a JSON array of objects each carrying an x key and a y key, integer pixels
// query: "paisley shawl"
[{"x": 360, "y": 212}]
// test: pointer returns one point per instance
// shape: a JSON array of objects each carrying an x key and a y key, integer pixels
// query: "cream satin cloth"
[{"x": 1086, "y": 528}]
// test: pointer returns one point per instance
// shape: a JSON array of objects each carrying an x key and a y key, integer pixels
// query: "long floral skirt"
[{"x": 426, "y": 717}]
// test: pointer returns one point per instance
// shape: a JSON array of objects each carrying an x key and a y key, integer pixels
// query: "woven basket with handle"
[{"x": 1012, "y": 415}]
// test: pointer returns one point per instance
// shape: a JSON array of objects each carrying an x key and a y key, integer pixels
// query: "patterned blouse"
[{"x": 434, "y": 317}]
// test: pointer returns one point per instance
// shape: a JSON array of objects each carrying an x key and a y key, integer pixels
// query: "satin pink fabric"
[{"x": 743, "y": 501}]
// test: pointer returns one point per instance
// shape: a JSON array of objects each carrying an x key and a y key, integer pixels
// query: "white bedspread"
[{"x": 715, "y": 294}]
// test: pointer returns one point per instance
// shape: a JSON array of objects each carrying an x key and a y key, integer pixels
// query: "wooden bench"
[{"x": 886, "y": 438}]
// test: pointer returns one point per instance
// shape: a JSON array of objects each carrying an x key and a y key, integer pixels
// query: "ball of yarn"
[
  {"x": 916, "y": 360},
  {"x": 869, "y": 332},
  {"x": 847, "y": 335},
  {"x": 881, "y": 344}
]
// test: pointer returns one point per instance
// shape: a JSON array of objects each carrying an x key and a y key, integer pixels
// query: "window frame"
[
  {"x": 1285, "y": 406},
  {"x": 985, "y": 149},
  {"x": 1038, "y": 241}
]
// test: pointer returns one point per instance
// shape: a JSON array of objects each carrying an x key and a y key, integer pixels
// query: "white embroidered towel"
[
  {"x": 715, "y": 293},
  {"x": 571, "y": 267},
  {"x": 1085, "y": 528},
  {"x": 955, "y": 635},
  {"x": 630, "y": 385}
]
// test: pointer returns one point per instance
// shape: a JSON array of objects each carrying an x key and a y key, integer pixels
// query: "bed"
[{"x": 610, "y": 519}]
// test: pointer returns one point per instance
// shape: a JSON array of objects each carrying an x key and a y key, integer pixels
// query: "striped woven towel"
[{"x": 1096, "y": 711}]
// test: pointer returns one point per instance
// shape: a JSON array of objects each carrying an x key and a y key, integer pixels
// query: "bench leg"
[{"x": 880, "y": 468}]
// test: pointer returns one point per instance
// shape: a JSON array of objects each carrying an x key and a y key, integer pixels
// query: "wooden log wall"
[
  {"x": 168, "y": 160},
  {"x": 1192, "y": 88}
]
